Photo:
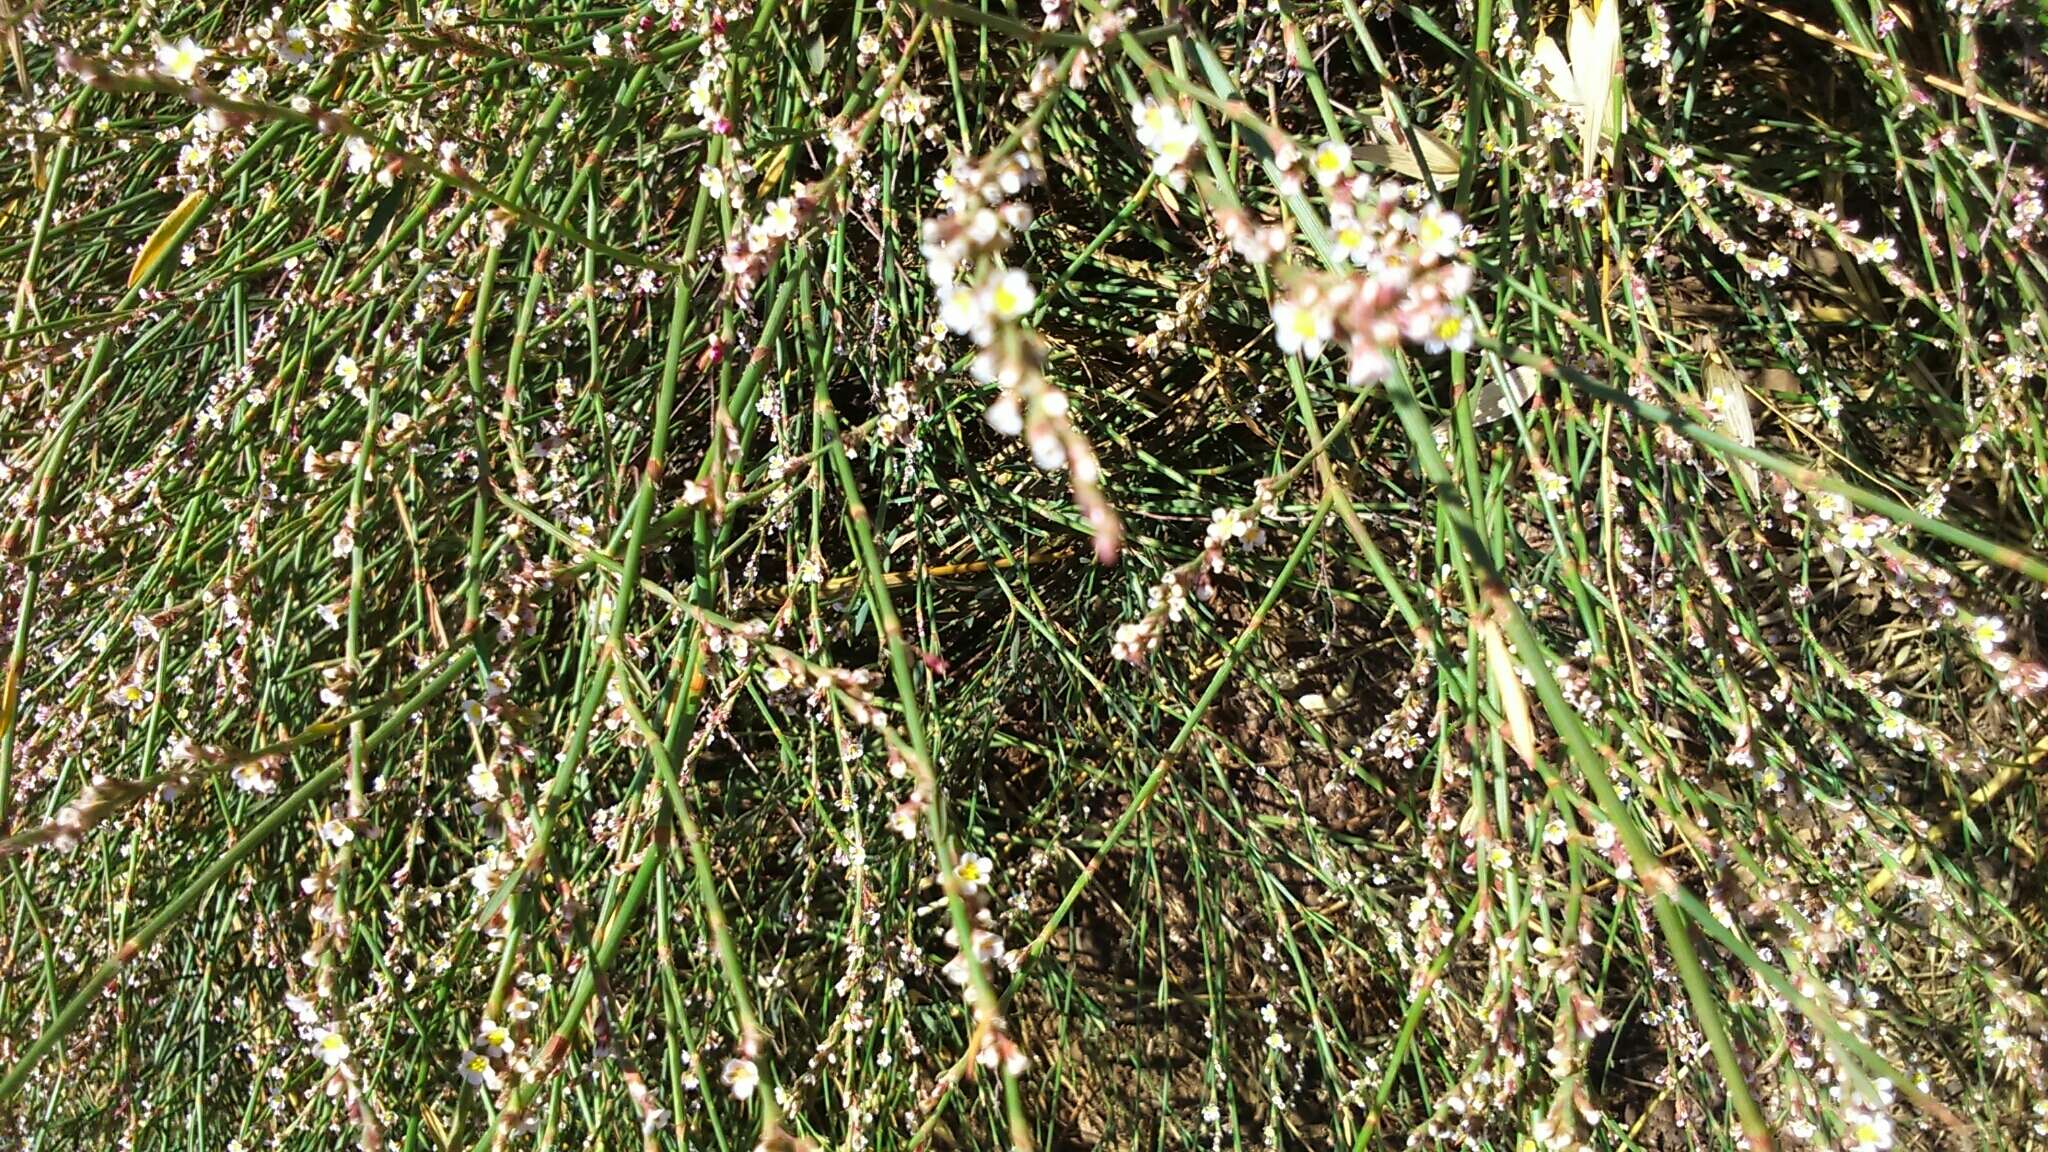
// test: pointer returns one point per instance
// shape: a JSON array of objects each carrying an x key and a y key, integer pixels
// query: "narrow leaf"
[
  {"x": 1728, "y": 402},
  {"x": 1514, "y": 701},
  {"x": 166, "y": 237}
]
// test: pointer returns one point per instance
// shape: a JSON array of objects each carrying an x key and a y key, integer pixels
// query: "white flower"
[
  {"x": 181, "y": 61},
  {"x": 1884, "y": 249},
  {"x": 1154, "y": 120},
  {"x": 295, "y": 46},
  {"x": 962, "y": 309},
  {"x": 1301, "y": 327},
  {"x": 741, "y": 1076},
  {"x": 988, "y": 948},
  {"x": 1174, "y": 148},
  {"x": 1227, "y": 524},
  {"x": 1011, "y": 295},
  {"x": 1867, "y": 1132},
  {"x": 337, "y": 832},
  {"x": 493, "y": 1038},
  {"x": 601, "y": 43},
  {"x": 347, "y": 370},
  {"x": 972, "y": 871},
  {"x": 1166, "y": 135},
  {"x": 1439, "y": 232},
  {"x": 1005, "y": 417},
  {"x": 1331, "y": 162},
  {"x": 476, "y": 1070},
  {"x": 779, "y": 219},
  {"x": 1859, "y": 533},
  {"x": 1987, "y": 632},
  {"x": 1349, "y": 239},
  {"x": 250, "y": 777},
  {"x": 330, "y": 1044},
  {"x": 340, "y": 16}
]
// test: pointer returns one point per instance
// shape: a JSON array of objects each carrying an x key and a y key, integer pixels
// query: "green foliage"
[{"x": 932, "y": 575}]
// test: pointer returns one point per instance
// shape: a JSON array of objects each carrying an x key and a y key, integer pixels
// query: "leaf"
[
  {"x": 1503, "y": 396},
  {"x": 1582, "y": 75},
  {"x": 166, "y": 237},
  {"x": 1594, "y": 40},
  {"x": 1556, "y": 70},
  {"x": 1500, "y": 397},
  {"x": 1728, "y": 401},
  {"x": 1394, "y": 153},
  {"x": 1514, "y": 702}
]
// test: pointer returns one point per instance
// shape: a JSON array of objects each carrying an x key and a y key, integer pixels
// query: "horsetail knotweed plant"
[{"x": 866, "y": 575}]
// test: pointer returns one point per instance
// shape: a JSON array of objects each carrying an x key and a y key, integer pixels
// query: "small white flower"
[
  {"x": 181, "y": 61},
  {"x": 330, "y": 1044},
  {"x": 1300, "y": 327},
  {"x": 972, "y": 871},
  {"x": 779, "y": 219},
  {"x": 1884, "y": 249},
  {"x": 1331, "y": 162},
  {"x": 1987, "y": 632},
  {"x": 347, "y": 370},
  {"x": 361, "y": 156},
  {"x": 341, "y": 16},
  {"x": 1349, "y": 239},
  {"x": 988, "y": 948},
  {"x": 1154, "y": 120},
  {"x": 741, "y": 1077},
  {"x": 337, "y": 832},
  {"x": 962, "y": 310},
  {"x": 476, "y": 1070},
  {"x": 601, "y": 44},
  {"x": 1011, "y": 295},
  {"x": 250, "y": 777},
  {"x": 1005, "y": 417},
  {"x": 1439, "y": 232},
  {"x": 493, "y": 1038},
  {"x": 1859, "y": 533},
  {"x": 295, "y": 46}
]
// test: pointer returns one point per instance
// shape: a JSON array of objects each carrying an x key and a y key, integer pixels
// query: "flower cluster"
[
  {"x": 990, "y": 302},
  {"x": 1228, "y": 528},
  {"x": 749, "y": 254},
  {"x": 1168, "y": 137},
  {"x": 1406, "y": 282}
]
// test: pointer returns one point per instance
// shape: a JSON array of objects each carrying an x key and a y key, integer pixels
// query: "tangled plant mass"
[{"x": 912, "y": 576}]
